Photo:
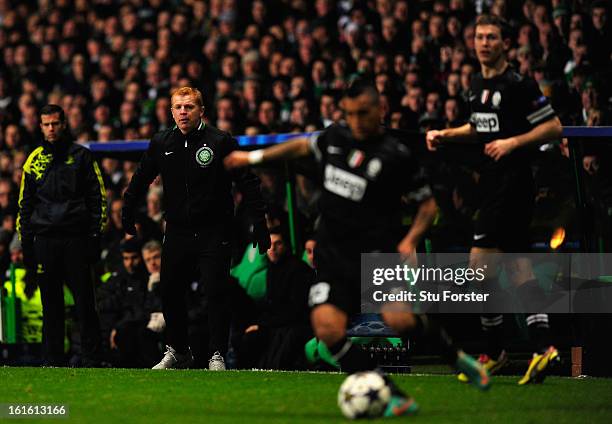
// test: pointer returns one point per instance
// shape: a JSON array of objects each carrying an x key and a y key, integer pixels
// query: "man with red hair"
[{"x": 199, "y": 210}]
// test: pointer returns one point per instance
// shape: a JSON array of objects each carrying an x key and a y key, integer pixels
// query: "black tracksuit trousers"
[
  {"x": 190, "y": 255},
  {"x": 64, "y": 260}
]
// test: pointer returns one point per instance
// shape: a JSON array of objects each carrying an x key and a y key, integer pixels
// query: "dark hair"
[
  {"x": 282, "y": 231},
  {"x": 497, "y": 21},
  {"x": 131, "y": 245},
  {"x": 361, "y": 86},
  {"x": 51, "y": 109},
  {"x": 599, "y": 4},
  {"x": 276, "y": 230}
]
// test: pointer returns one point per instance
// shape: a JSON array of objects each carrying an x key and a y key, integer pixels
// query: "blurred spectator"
[
  {"x": 274, "y": 336},
  {"x": 122, "y": 302}
]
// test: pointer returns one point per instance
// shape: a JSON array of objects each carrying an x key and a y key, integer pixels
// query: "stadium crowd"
[{"x": 264, "y": 67}]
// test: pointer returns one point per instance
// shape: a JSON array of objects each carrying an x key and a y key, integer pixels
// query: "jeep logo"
[{"x": 485, "y": 122}]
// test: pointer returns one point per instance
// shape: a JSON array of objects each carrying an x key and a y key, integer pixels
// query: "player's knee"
[
  {"x": 329, "y": 324},
  {"x": 399, "y": 321}
]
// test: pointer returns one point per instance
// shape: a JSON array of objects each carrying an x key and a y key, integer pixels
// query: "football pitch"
[{"x": 193, "y": 396}]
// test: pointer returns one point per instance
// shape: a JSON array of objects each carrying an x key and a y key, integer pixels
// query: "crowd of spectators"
[{"x": 269, "y": 67}]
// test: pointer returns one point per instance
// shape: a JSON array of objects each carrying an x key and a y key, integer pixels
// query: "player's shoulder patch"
[{"x": 27, "y": 166}]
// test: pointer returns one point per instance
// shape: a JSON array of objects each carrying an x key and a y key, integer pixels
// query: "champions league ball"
[{"x": 363, "y": 395}]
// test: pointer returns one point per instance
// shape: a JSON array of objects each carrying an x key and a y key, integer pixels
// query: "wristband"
[{"x": 255, "y": 157}]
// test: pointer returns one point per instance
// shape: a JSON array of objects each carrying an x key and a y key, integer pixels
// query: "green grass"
[{"x": 194, "y": 396}]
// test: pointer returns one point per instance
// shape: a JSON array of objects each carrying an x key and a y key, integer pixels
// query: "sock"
[
  {"x": 539, "y": 331},
  {"x": 429, "y": 330},
  {"x": 492, "y": 326},
  {"x": 350, "y": 357},
  {"x": 533, "y": 299}
]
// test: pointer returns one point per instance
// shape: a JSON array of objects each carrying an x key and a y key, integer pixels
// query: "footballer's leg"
[
  {"x": 329, "y": 325},
  {"x": 331, "y": 304},
  {"x": 485, "y": 256},
  {"x": 176, "y": 271},
  {"x": 533, "y": 300},
  {"x": 422, "y": 326}
]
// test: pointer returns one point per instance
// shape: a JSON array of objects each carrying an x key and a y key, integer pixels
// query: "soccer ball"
[{"x": 363, "y": 395}]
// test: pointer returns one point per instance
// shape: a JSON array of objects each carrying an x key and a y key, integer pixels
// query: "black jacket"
[
  {"x": 286, "y": 301},
  {"x": 197, "y": 187},
  {"x": 124, "y": 300},
  {"x": 62, "y": 192}
]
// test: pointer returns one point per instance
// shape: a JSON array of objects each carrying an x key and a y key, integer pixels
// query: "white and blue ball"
[{"x": 363, "y": 395}]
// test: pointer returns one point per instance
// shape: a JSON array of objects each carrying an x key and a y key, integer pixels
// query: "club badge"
[
  {"x": 374, "y": 167},
  {"x": 204, "y": 156},
  {"x": 355, "y": 158},
  {"x": 484, "y": 97},
  {"x": 496, "y": 99}
]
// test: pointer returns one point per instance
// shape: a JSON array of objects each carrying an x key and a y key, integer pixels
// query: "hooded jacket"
[{"x": 62, "y": 193}]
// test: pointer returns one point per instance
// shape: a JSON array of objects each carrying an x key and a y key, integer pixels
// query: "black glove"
[
  {"x": 261, "y": 236},
  {"x": 128, "y": 220},
  {"x": 93, "y": 248}
]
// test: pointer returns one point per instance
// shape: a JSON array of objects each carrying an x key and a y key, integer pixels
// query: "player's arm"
[
  {"x": 435, "y": 137},
  {"x": 293, "y": 149},
  {"x": 542, "y": 133},
  {"x": 27, "y": 199},
  {"x": 422, "y": 221}
]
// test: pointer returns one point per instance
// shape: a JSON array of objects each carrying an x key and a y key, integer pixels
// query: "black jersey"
[
  {"x": 504, "y": 106},
  {"x": 363, "y": 184}
]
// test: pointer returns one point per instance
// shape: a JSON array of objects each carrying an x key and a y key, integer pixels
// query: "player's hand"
[
  {"x": 261, "y": 236},
  {"x": 433, "y": 138},
  {"x": 236, "y": 159},
  {"x": 251, "y": 328},
  {"x": 113, "y": 335},
  {"x": 497, "y": 149},
  {"x": 408, "y": 252},
  {"x": 157, "y": 323},
  {"x": 128, "y": 221}
]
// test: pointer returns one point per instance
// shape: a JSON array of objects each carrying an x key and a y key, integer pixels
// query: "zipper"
[{"x": 187, "y": 180}]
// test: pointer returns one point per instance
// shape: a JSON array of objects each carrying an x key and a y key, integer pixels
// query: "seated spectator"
[
  {"x": 122, "y": 304},
  {"x": 151, "y": 254},
  {"x": 274, "y": 336},
  {"x": 309, "y": 247}
]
